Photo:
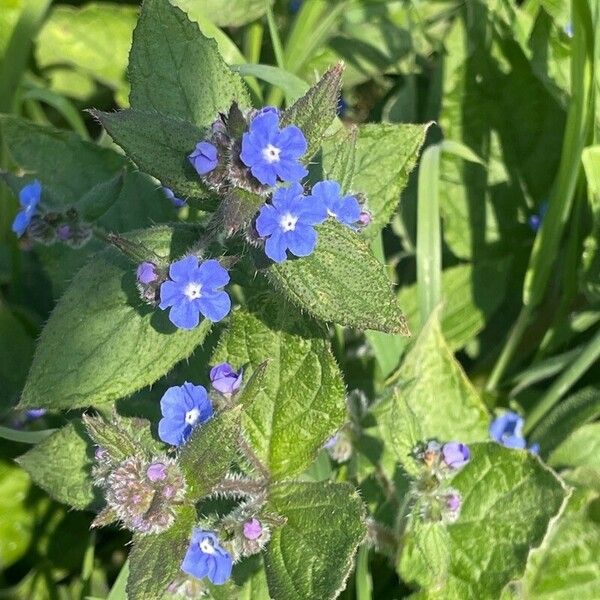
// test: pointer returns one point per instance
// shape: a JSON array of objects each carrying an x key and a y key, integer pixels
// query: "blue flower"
[
  {"x": 193, "y": 290},
  {"x": 204, "y": 158},
  {"x": 271, "y": 152},
  {"x": 224, "y": 379},
  {"x": 456, "y": 455},
  {"x": 29, "y": 198},
  {"x": 206, "y": 557},
  {"x": 345, "y": 209},
  {"x": 170, "y": 194},
  {"x": 507, "y": 430},
  {"x": 535, "y": 220},
  {"x": 288, "y": 223},
  {"x": 146, "y": 273},
  {"x": 183, "y": 408}
]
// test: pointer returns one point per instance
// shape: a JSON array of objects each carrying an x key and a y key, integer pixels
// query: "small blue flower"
[
  {"x": 35, "y": 413},
  {"x": 29, "y": 198},
  {"x": 535, "y": 220},
  {"x": 345, "y": 209},
  {"x": 193, "y": 290},
  {"x": 295, "y": 6},
  {"x": 568, "y": 29},
  {"x": 288, "y": 223},
  {"x": 183, "y": 408},
  {"x": 271, "y": 152},
  {"x": 206, "y": 557},
  {"x": 455, "y": 455},
  {"x": 170, "y": 194},
  {"x": 204, "y": 158},
  {"x": 146, "y": 273},
  {"x": 507, "y": 429},
  {"x": 224, "y": 379},
  {"x": 342, "y": 107}
]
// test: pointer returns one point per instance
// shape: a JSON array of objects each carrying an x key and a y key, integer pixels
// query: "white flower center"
[
  {"x": 331, "y": 213},
  {"x": 191, "y": 416},
  {"x": 271, "y": 153},
  {"x": 206, "y": 546},
  {"x": 288, "y": 222},
  {"x": 193, "y": 290}
]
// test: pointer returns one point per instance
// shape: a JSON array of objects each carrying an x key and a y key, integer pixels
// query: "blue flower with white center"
[
  {"x": 272, "y": 153},
  {"x": 29, "y": 198},
  {"x": 204, "y": 158},
  {"x": 193, "y": 289},
  {"x": 345, "y": 209},
  {"x": 176, "y": 202},
  {"x": 206, "y": 557},
  {"x": 183, "y": 408},
  {"x": 288, "y": 223}
]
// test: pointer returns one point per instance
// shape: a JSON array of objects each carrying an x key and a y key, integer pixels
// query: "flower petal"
[
  {"x": 222, "y": 572},
  {"x": 265, "y": 173},
  {"x": 215, "y": 306},
  {"x": 267, "y": 221},
  {"x": 212, "y": 275},
  {"x": 292, "y": 141},
  {"x": 21, "y": 223},
  {"x": 29, "y": 196},
  {"x": 170, "y": 294},
  {"x": 290, "y": 170},
  {"x": 185, "y": 314},
  {"x": 171, "y": 431},
  {"x": 172, "y": 403},
  {"x": 276, "y": 245},
  {"x": 181, "y": 269},
  {"x": 302, "y": 241}
]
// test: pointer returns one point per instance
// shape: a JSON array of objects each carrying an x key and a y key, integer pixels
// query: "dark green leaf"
[
  {"x": 61, "y": 464},
  {"x": 209, "y": 452},
  {"x": 175, "y": 70},
  {"x": 101, "y": 342},
  {"x": 155, "y": 560}
]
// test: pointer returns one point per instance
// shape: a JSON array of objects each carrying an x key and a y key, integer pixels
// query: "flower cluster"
[
  {"x": 141, "y": 495},
  {"x": 507, "y": 429},
  {"x": 255, "y": 153},
  {"x": 437, "y": 501},
  {"x": 48, "y": 227}
]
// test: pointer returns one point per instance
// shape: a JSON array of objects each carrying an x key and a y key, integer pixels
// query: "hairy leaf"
[
  {"x": 175, "y": 70},
  {"x": 299, "y": 403},
  {"x": 209, "y": 452},
  {"x": 61, "y": 465},
  {"x": 155, "y": 560},
  {"x": 342, "y": 282},
  {"x": 316, "y": 110},
  {"x": 159, "y": 145},
  {"x": 102, "y": 342},
  {"x": 311, "y": 555},
  {"x": 385, "y": 156}
]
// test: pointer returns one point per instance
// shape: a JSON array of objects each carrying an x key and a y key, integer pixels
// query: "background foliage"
[{"x": 503, "y": 313}]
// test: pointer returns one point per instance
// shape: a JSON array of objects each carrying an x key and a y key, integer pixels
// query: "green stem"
[
  {"x": 563, "y": 384},
  {"x": 363, "y": 579},
  {"x": 253, "y": 42},
  {"x": 275, "y": 39},
  {"x": 512, "y": 343}
]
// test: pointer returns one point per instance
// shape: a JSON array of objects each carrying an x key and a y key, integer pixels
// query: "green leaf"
[
  {"x": 425, "y": 558},
  {"x": 159, "y": 145},
  {"x": 435, "y": 388},
  {"x": 566, "y": 565},
  {"x": 208, "y": 454},
  {"x": 62, "y": 464},
  {"x": 17, "y": 519},
  {"x": 16, "y": 351},
  {"x": 580, "y": 449},
  {"x": 299, "y": 403},
  {"x": 385, "y": 156},
  {"x": 65, "y": 40},
  {"x": 290, "y": 84},
  {"x": 315, "y": 111},
  {"x": 101, "y": 342},
  {"x": 509, "y": 499},
  {"x": 339, "y": 158},
  {"x": 341, "y": 282},
  {"x": 225, "y": 13},
  {"x": 311, "y": 555},
  {"x": 175, "y": 70},
  {"x": 155, "y": 560},
  {"x": 99, "y": 200}
]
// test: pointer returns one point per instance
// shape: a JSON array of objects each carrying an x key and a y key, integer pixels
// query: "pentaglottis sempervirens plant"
[{"x": 213, "y": 484}]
